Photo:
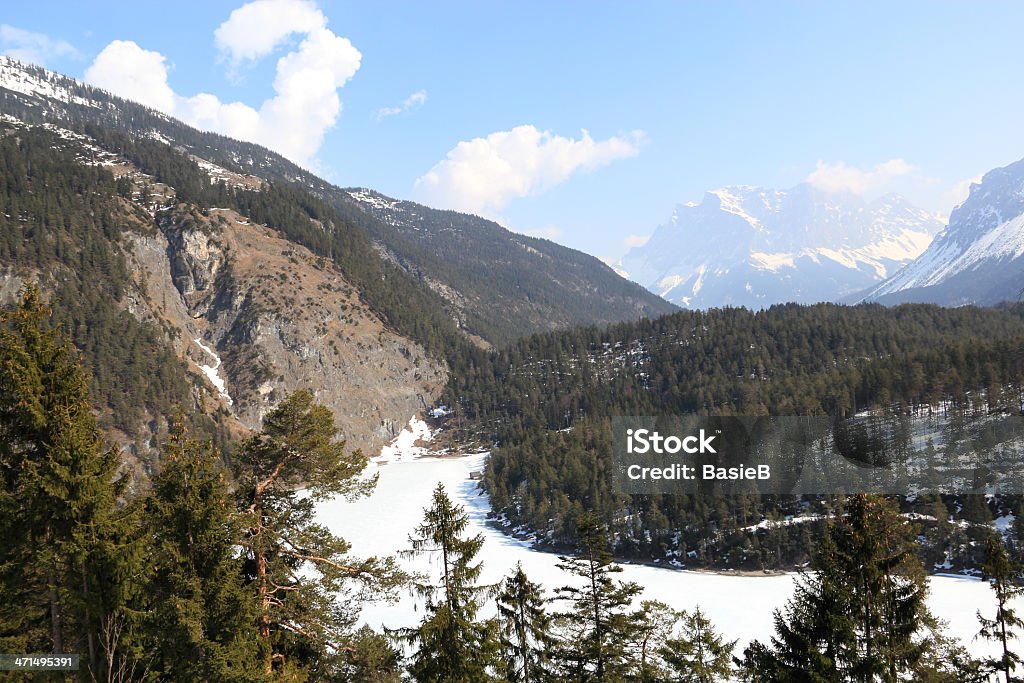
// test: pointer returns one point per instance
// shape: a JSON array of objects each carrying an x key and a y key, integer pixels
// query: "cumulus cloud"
[
  {"x": 839, "y": 177},
  {"x": 482, "y": 175},
  {"x": 417, "y": 99},
  {"x": 305, "y": 102},
  {"x": 133, "y": 73},
  {"x": 255, "y": 29},
  {"x": 32, "y": 47}
]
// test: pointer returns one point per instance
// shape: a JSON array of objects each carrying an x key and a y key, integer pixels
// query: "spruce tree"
[
  {"x": 698, "y": 654},
  {"x": 599, "y": 623},
  {"x": 655, "y": 624},
  {"x": 307, "y": 588},
  {"x": 370, "y": 658},
  {"x": 859, "y": 616},
  {"x": 525, "y": 638},
  {"x": 201, "y": 622},
  {"x": 1003, "y": 575},
  {"x": 452, "y": 646},
  {"x": 67, "y": 549}
]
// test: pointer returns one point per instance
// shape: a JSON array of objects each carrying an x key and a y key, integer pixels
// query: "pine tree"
[
  {"x": 451, "y": 645},
  {"x": 812, "y": 634},
  {"x": 1003, "y": 575},
  {"x": 525, "y": 638},
  {"x": 859, "y": 615},
  {"x": 370, "y": 658},
  {"x": 302, "y": 621},
  {"x": 698, "y": 654},
  {"x": 202, "y": 619},
  {"x": 66, "y": 551},
  {"x": 655, "y": 624},
  {"x": 598, "y": 625}
]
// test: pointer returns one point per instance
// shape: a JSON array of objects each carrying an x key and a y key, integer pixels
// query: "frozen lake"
[{"x": 740, "y": 606}]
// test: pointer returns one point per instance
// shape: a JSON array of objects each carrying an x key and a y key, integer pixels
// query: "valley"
[
  {"x": 740, "y": 604},
  {"x": 210, "y": 356}
]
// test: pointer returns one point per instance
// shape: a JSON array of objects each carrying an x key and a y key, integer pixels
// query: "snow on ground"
[
  {"x": 14, "y": 77},
  {"x": 740, "y": 606},
  {"x": 405, "y": 447},
  {"x": 365, "y": 196},
  {"x": 212, "y": 373}
]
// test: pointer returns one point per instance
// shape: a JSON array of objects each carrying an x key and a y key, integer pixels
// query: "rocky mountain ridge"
[
  {"x": 754, "y": 247},
  {"x": 978, "y": 258}
]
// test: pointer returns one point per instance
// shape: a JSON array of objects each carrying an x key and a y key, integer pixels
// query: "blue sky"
[{"x": 483, "y": 105}]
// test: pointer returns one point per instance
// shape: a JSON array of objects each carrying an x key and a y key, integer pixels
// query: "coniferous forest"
[{"x": 220, "y": 572}]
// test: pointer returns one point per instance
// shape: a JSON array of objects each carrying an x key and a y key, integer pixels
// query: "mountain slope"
[
  {"x": 978, "y": 258},
  {"x": 754, "y": 247},
  {"x": 217, "y": 298},
  {"x": 495, "y": 284},
  {"x": 501, "y": 283}
]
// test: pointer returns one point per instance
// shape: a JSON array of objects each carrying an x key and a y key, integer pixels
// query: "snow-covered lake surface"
[{"x": 740, "y": 606}]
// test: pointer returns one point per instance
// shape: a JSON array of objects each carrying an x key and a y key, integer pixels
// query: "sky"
[{"x": 584, "y": 122}]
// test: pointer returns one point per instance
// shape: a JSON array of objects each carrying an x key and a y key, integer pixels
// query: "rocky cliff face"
[
  {"x": 251, "y": 315},
  {"x": 259, "y": 317}
]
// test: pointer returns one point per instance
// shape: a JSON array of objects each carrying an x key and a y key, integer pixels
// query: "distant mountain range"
[
  {"x": 754, "y": 247},
  {"x": 978, "y": 258}
]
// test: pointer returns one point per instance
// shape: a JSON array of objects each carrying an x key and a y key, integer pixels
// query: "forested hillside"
[
  {"x": 63, "y": 219},
  {"x": 500, "y": 283},
  {"x": 372, "y": 307},
  {"x": 547, "y": 402}
]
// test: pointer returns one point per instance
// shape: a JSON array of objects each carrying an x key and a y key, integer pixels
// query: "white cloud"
[
  {"x": 133, "y": 73},
  {"x": 484, "y": 174},
  {"x": 839, "y": 177},
  {"x": 253, "y": 30},
  {"x": 305, "y": 104},
  {"x": 635, "y": 241},
  {"x": 417, "y": 99},
  {"x": 31, "y": 47}
]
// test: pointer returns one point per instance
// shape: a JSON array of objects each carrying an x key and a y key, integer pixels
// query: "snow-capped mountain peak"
[
  {"x": 754, "y": 246},
  {"x": 977, "y": 259}
]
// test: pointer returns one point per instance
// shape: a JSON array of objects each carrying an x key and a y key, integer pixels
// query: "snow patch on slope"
[
  {"x": 405, "y": 447},
  {"x": 772, "y": 262},
  {"x": 13, "y": 76},
  {"x": 212, "y": 373},
  {"x": 667, "y": 284},
  {"x": 365, "y": 196}
]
